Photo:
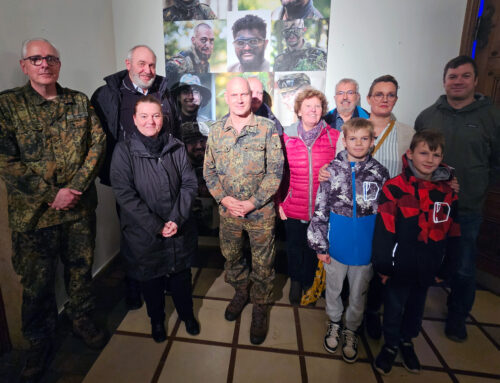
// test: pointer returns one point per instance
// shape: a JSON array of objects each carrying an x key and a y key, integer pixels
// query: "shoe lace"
[
  {"x": 350, "y": 339},
  {"x": 333, "y": 329}
]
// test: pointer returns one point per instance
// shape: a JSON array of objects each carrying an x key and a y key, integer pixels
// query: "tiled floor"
[{"x": 292, "y": 351}]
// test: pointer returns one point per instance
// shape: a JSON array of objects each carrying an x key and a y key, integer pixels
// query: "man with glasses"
[
  {"x": 250, "y": 43},
  {"x": 51, "y": 147},
  {"x": 299, "y": 54},
  {"x": 347, "y": 102},
  {"x": 296, "y": 9}
]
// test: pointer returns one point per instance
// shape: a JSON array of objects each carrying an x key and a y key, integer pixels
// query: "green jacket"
[
  {"x": 46, "y": 145},
  {"x": 472, "y": 146}
]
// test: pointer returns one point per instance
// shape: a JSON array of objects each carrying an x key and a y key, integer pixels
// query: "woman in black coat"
[{"x": 155, "y": 186}]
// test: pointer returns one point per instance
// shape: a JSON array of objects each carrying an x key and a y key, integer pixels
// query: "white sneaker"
[
  {"x": 350, "y": 347},
  {"x": 332, "y": 337}
]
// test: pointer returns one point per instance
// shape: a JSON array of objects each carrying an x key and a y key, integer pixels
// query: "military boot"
[
  {"x": 85, "y": 328},
  {"x": 235, "y": 307},
  {"x": 36, "y": 362},
  {"x": 258, "y": 327}
]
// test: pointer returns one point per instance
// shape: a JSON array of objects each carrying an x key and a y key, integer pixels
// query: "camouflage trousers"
[
  {"x": 238, "y": 275},
  {"x": 35, "y": 258}
]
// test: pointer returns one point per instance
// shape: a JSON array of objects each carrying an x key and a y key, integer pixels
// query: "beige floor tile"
[
  {"x": 213, "y": 326},
  {"x": 486, "y": 307},
  {"x": 211, "y": 284},
  {"x": 193, "y": 363},
  {"x": 281, "y": 333},
  {"x": 138, "y": 320},
  {"x": 477, "y": 354},
  {"x": 474, "y": 379},
  {"x": 259, "y": 366},
  {"x": 494, "y": 332},
  {"x": 321, "y": 370},
  {"x": 435, "y": 305},
  {"x": 399, "y": 375},
  {"x": 126, "y": 359}
]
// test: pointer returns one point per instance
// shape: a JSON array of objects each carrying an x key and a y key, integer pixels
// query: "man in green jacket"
[
  {"x": 471, "y": 126},
  {"x": 51, "y": 146}
]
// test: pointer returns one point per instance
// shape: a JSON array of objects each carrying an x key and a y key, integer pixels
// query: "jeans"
[{"x": 463, "y": 285}]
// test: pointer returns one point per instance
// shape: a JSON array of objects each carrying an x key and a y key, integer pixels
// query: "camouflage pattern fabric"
[
  {"x": 196, "y": 11},
  {"x": 307, "y": 59},
  {"x": 185, "y": 62},
  {"x": 35, "y": 258},
  {"x": 261, "y": 234},
  {"x": 245, "y": 165},
  {"x": 46, "y": 145}
]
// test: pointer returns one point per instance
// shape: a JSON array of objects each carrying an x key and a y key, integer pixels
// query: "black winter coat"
[{"x": 152, "y": 191}]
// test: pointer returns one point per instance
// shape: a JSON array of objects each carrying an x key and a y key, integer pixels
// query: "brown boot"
[
  {"x": 258, "y": 328},
  {"x": 36, "y": 362},
  {"x": 235, "y": 307},
  {"x": 85, "y": 328}
]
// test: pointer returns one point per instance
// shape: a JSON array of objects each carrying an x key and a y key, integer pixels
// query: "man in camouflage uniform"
[
  {"x": 188, "y": 10},
  {"x": 195, "y": 59},
  {"x": 299, "y": 55},
  {"x": 243, "y": 168},
  {"x": 296, "y": 9},
  {"x": 51, "y": 145}
]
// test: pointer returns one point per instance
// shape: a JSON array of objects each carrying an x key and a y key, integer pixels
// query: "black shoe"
[
  {"x": 295, "y": 294},
  {"x": 92, "y": 335},
  {"x": 373, "y": 324},
  {"x": 158, "y": 332},
  {"x": 385, "y": 359},
  {"x": 237, "y": 304},
  {"x": 192, "y": 326},
  {"x": 410, "y": 360},
  {"x": 258, "y": 327},
  {"x": 456, "y": 331},
  {"x": 36, "y": 362},
  {"x": 133, "y": 294}
]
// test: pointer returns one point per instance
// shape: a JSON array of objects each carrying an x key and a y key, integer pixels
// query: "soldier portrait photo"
[
  {"x": 299, "y": 45},
  {"x": 302, "y": 9},
  {"x": 181, "y": 10}
]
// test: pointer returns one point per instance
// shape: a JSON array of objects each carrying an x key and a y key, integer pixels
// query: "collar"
[
  {"x": 37, "y": 98},
  {"x": 251, "y": 127},
  {"x": 131, "y": 86}
]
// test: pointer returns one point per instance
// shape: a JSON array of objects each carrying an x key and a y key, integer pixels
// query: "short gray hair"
[
  {"x": 24, "y": 49},
  {"x": 348, "y": 81},
  {"x": 130, "y": 53}
]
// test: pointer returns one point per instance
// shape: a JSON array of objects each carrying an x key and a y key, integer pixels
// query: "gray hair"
[
  {"x": 24, "y": 49},
  {"x": 130, "y": 53},
  {"x": 348, "y": 81}
]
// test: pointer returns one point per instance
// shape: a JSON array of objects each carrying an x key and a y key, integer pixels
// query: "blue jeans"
[{"x": 463, "y": 285}]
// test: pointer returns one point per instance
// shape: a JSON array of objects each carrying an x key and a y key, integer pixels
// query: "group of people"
[{"x": 363, "y": 199}]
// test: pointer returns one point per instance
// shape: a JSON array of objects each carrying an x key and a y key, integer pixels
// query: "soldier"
[
  {"x": 296, "y": 9},
  {"x": 289, "y": 86},
  {"x": 195, "y": 59},
  {"x": 243, "y": 168},
  {"x": 299, "y": 55},
  {"x": 188, "y": 10},
  {"x": 51, "y": 146}
]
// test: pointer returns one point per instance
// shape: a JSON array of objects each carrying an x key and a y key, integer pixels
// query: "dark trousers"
[
  {"x": 375, "y": 296},
  {"x": 302, "y": 260},
  {"x": 403, "y": 311},
  {"x": 180, "y": 286}
]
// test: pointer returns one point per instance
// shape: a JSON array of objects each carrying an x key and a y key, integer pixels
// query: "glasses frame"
[{"x": 49, "y": 59}]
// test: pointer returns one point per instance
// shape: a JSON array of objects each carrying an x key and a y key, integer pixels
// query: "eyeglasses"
[
  {"x": 37, "y": 60},
  {"x": 348, "y": 92},
  {"x": 379, "y": 96},
  {"x": 253, "y": 43},
  {"x": 291, "y": 31}
]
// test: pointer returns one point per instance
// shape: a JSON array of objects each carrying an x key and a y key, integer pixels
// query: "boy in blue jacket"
[{"x": 341, "y": 232}]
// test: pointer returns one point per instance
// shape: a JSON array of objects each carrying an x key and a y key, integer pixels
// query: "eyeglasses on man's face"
[
  {"x": 37, "y": 60},
  {"x": 348, "y": 92},
  {"x": 253, "y": 42}
]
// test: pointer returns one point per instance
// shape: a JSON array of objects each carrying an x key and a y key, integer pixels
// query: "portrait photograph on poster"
[{"x": 183, "y": 10}]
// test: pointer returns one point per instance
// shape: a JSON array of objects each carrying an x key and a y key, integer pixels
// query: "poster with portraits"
[{"x": 281, "y": 42}]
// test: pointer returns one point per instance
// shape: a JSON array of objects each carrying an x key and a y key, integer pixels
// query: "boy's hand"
[
  {"x": 325, "y": 258},
  {"x": 383, "y": 278},
  {"x": 454, "y": 185},
  {"x": 324, "y": 175}
]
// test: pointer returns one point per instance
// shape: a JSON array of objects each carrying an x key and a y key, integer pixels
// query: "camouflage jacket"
[
  {"x": 45, "y": 146},
  {"x": 248, "y": 165},
  {"x": 184, "y": 62},
  {"x": 308, "y": 12},
  {"x": 308, "y": 58},
  {"x": 198, "y": 11}
]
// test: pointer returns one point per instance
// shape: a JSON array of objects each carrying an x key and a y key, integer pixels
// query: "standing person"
[
  {"x": 309, "y": 145},
  {"x": 470, "y": 124},
  {"x": 155, "y": 186},
  {"x": 243, "y": 168},
  {"x": 341, "y": 232},
  {"x": 259, "y": 107},
  {"x": 416, "y": 237},
  {"x": 51, "y": 147},
  {"x": 114, "y": 104}
]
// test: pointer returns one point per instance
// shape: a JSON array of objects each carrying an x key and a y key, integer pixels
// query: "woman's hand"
[
  {"x": 282, "y": 213},
  {"x": 169, "y": 229},
  {"x": 325, "y": 258},
  {"x": 383, "y": 278},
  {"x": 324, "y": 175}
]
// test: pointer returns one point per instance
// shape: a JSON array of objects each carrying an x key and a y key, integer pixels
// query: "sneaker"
[
  {"x": 36, "y": 362},
  {"x": 237, "y": 304},
  {"x": 192, "y": 326},
  {"x": 456, "y": 332},
  {"x": 84, "y": 327},
  {"x": 332, "y": 337},
  {"x": 258, "y": 327},
  {"x": 373, "y": 324},
  {"x": 295, "y": 294},
  {"x": 158, "y": 332},
  {"x": 410, "y": 360},
  {"x": 385, "y": 359},
  {"x": 350, "y": 346}
]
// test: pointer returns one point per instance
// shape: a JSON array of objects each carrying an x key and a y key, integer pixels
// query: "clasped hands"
[
  {"x": 65, "y": 199},
  {"x": 236, "y": 207}
]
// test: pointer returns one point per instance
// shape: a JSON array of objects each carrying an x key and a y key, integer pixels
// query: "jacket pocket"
[{"x": 254, "y": 158}]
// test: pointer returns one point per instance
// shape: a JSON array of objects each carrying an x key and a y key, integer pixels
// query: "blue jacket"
[{"x": 331, "y": 116}]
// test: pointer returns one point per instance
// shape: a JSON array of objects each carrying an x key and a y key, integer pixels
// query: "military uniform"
[
  {"x": 308, "y": 12},
  {"x": 46, "y": 145},
  {"x": 308, "y": 58},
  {"x": 192, "y": 11},
  {"x": 184, "y": 62},
  {"x": 246, "y": 166}
]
